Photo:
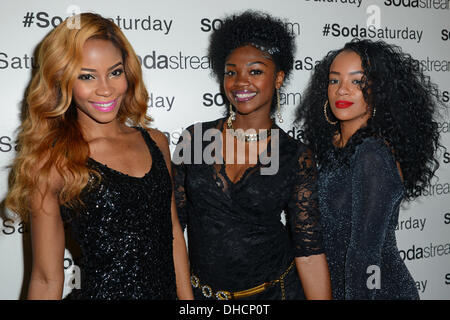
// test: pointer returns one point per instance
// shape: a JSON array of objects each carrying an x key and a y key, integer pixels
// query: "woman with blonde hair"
[{"x": 88, "y": 159}]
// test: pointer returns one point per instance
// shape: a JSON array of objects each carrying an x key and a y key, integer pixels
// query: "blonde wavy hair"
[{"x": 49, "y": 136}]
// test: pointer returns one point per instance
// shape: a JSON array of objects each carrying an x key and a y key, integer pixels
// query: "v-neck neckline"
[{"x": 223, "y": 171}]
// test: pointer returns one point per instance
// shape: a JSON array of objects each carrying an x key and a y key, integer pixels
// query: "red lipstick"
[{"x": 342, "y": 104}]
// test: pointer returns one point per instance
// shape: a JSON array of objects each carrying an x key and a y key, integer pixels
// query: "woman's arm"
[
  {"x": 315, "y": 276},
  {"x": 303, "y": 219},
  {"x": 48, "y": 243},
  {"x": 180, "y": 256},
  {"x": 375, "y": 186}
]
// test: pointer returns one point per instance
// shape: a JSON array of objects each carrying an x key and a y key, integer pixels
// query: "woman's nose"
[{"x": 104, "y": 88}]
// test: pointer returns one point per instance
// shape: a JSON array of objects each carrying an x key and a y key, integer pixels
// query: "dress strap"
[{"x": 152, "y": 146}]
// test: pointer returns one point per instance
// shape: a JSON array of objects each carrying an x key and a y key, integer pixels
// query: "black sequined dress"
[
  {"x": 359, "y": 205},
  {"x": 125, "y": 233},
  {"x": 236, "y": 238}
]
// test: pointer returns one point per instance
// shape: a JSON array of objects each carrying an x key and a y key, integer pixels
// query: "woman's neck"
[
  {"x": 348, "y": 129},
  {"x": 250, "y": 121},
  {"x": 92, "y": 130}
]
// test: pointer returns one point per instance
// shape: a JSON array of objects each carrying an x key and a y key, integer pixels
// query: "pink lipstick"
[
  {"x": 106, "y": 106},
  {"x": 243, "y": 95}
]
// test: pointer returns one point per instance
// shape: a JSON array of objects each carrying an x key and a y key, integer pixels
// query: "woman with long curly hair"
[
  {"x": 87, "y": 158},
  {"x": 231, "y": 203},
  {"x": 367, "y": 114}
]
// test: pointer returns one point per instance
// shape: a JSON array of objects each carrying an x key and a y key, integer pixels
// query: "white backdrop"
[{"x": 171, "y": 38}]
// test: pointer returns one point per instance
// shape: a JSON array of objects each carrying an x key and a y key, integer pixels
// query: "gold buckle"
[
  {"x": 223, "y": 295},
  {"x": 207, "y": 288},
  {"x": 195, "y": 281}
]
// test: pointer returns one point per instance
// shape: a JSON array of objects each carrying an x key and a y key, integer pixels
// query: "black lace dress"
[
  {"x": 125, "y": 233},
  {"x": 236, "y": 238},
  {"x": 359, "y": 205}
]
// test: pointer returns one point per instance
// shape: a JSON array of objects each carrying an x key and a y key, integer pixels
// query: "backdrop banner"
[{"x": 171, "y": 38}]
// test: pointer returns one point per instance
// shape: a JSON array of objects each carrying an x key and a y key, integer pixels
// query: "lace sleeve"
[
  {"x": 180, "y": 194},
  {"x": 303, "y": 209}
]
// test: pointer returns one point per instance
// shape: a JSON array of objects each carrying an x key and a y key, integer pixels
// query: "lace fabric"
[{"x": 235, "y": 236}]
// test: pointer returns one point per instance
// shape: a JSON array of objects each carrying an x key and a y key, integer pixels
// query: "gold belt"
[{"x": 227, "y": 295}]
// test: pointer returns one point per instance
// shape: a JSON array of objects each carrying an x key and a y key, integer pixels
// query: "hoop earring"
[
  {"x": 280, "y": 118},
  {"x": 325, "y": 113}
]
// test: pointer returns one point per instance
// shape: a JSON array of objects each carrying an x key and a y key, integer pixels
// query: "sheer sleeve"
[
  {"x": 179, "y": 176},
  {"x": 375, "y": 188},
  {"x": 181, "y": 157},
  {"x": 302, "y": 211}
]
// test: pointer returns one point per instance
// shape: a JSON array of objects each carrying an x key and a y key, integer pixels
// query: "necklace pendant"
[{"x": 247, "y": 137}]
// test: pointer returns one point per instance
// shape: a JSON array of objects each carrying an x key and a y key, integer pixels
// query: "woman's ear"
[{"x": 279, "y": 79}]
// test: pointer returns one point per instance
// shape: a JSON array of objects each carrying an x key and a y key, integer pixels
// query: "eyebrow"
[
  {"x": 110, "y": 68},
  {"x": 248, "y": 64},
  {"x": 351, "y": 73},
  {"x": 256, "y": 62}
]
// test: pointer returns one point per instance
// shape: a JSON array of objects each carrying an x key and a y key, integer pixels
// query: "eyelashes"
[
  {"x": 253, "y": 72},
  {"x": 256, "y": 72},
  {"x": 356, "y": 81},
  {"x": 117, "y": 72},
  {"x": 85, "y": 76},
  {"x": 88, "y": 76}
]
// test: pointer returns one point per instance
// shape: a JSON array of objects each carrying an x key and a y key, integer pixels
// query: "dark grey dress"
[{"x": 359, "y": 205}]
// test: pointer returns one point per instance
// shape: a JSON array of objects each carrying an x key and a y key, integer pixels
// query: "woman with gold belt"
[{"x": 231, "y": 190}]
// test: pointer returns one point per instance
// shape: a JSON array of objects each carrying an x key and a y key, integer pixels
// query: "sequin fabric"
[
  {"x": 235, "y": 237},
  {"x": 125, "y": 233},
  {"x": 359, "y": 205}
]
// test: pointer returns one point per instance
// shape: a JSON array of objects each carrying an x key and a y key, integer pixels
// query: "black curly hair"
[
  {"x": 406, "y": 103},
  {"x": 257, "y": 29}
]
